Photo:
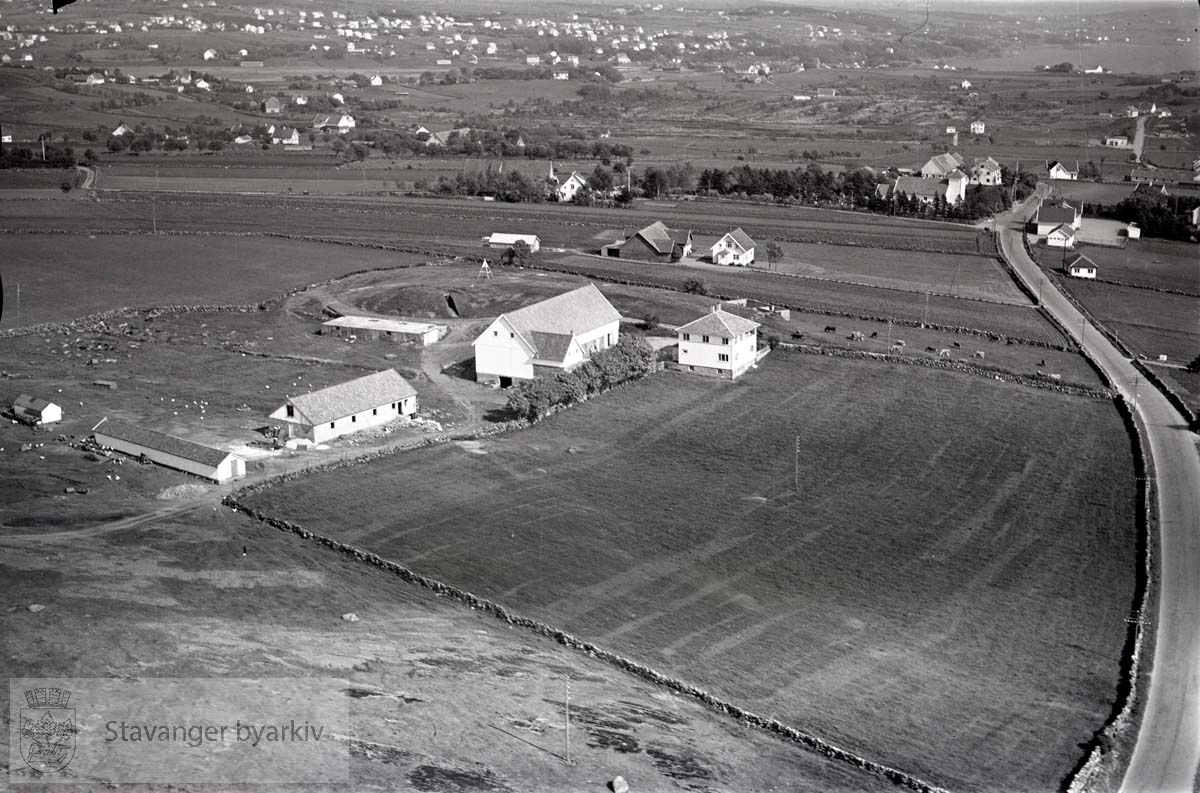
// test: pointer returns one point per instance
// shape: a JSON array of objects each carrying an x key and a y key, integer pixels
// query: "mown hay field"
[{"x": 929, "y": 569}]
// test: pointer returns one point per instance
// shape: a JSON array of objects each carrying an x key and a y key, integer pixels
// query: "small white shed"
[{"x": 32, "y": 410}]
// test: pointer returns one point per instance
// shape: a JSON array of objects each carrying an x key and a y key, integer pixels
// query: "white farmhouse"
[
  {"x": 345, "y": 408},
  {"x": 1080, "y": 266},
  {"x": 719, "y": 343},
  {"x": 559, "y": 333},
  {"x": 567, "y": 189},
  {"x": 216, "y": 465},
  {"x": 34, "y": 410},
  {"x": 735, "y": 248}
]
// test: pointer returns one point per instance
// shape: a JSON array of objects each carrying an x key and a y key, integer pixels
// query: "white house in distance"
[
  {"x": 1056, "y": 170},
  {"x": 1080, "y": 266},
  {"x": 567, "y": 189},
  {"x": 735, "y": 248},
  {"x": 345, "y": 408},
  {"x": 216, "y": 465},
  {"x": 501, "y": 240},
  {"x": 555, "y": 334},
  {"x": 719, "y": 344},
  {"x": 33, "y": 410},
  {"x": 978, "y": 127}
]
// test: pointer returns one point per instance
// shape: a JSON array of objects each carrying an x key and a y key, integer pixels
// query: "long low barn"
[
  {"x": 380, "y": 329},
  {"x": 216, "y": 465}
]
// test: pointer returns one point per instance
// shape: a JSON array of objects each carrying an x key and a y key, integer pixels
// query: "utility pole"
[
  {"x": 154, "y": 215},
  {"x": 1135, "y": 393},
  {"x": 925, "y": 320},
  {"x": 797, "y": 467},
  {"x": 1041, "y": 282}
]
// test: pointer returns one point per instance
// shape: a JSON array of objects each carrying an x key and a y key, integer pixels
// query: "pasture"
[
  {"x": 1151, "y": 323},
  {"x": 1154, "y": 263},
  {"x": 949, "y": 274},
  {"x": 63, "y": 276},
  {"x": 814, "y": 294},
  {"x": 949, "y": 601}
]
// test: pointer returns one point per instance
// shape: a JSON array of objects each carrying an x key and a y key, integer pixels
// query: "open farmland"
[
  {"x": 1151, "y": 323},
  {"x": 810, "y": 293},
  {"x": 949, "y": 601},
  {"x": 1158, "y": 264},
  {"x": 941, "y": 273},
  {"x": 66, "y": 276}
]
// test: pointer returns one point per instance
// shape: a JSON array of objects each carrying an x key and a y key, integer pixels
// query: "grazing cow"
[
  {"x": 899, "y": 342},
  {"x": 956, "y": 344},
  {"x": 979, "y": 353},
  {"x": 1043, "y": 363},
  {"x": 874, "y": 334},
  {"x": 945, "y": 353},
  {"x": 930, "y": 349},
  {"x": 797, "y": 335},
  {"x": 897, "y": 348},
  {"x": 830, "y": 329}
]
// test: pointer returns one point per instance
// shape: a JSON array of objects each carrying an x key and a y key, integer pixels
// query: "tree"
[
  {"x": 774, "y": 253},
  {"x": 117, "y": 144},
  {"x": 695, "y": 286},
  {"x": 518, "y": 254},
  {"x": 1194, "y": 366}
]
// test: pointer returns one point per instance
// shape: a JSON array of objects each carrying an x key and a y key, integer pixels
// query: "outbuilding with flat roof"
[{"x": 383, "y": 329}]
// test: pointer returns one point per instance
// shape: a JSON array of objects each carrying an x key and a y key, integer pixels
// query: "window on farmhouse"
[
  {"x": 724, "y": 340},
  {"x": 291, "y": 411},
  {"x": 704, "y": 339},
  {"x": 723, "y": 357}
]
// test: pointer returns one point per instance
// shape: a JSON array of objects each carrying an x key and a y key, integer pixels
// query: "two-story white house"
[
  {"x": 556, "y": 334},
  {"x": 341, "y": 409},
  {"x": 735, "y": 248},
  {"x": 719, "y": 343}
]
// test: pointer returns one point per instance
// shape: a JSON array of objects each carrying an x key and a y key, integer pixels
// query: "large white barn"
[
  {"x": 558, "y": 333},
  {"x": 341, "y": 409},
  {"x": 216, "y": 465},
  {"x": 719, "y": 343}
]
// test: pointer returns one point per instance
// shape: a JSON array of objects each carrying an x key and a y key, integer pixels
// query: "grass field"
[
  {"x": 62, "y": 276},
  {"x": 171, "y": 595},
  {"x": 940, "y": 273},
  {"x": 1018, "y": 321},
  {"x": 1152, "y": 323},
  {"x": 1149, "y": 262},
  {"x": 949, "y": 601}
]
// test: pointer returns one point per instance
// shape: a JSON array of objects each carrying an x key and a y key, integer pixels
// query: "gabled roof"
[
  {"x": 1059, "y": 164},
  {"x": 720, "y": 322},
  {"x": 1063, "y": 229},
  {"x": 27, "y": 402},
  {"x": 916, "y": 186},
  {"x": 662, "y": 239},
  {"x": 551, "y": 346},
  {"x": 741, "y": 238},
  {"x": 987, "y": 163},
  {"x": 355, "y": 396},
  {"x": 1054, "y": 214},
  {"x": 1079, "y": 260},
  {"x": 570, "y": 314},
  {"x": 160, "y": 441},
  {"x": 943, "y": 164}
]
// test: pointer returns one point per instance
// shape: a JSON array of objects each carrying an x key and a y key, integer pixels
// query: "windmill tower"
[{"x": 485, "y": 271}]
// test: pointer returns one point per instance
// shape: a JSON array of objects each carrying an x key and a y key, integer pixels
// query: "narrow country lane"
[{"x": 1167, "y": 753}]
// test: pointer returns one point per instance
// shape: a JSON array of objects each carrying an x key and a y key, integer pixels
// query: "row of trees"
[
  {"x": 1157, "y": 215},
  {"x": 629, "y": 359}
]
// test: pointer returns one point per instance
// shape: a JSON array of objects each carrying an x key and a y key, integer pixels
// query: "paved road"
[{"x": 1167, "y": 754}]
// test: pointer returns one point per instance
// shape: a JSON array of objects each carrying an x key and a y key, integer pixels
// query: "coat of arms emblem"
[{"x": 47, "y": 730}]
